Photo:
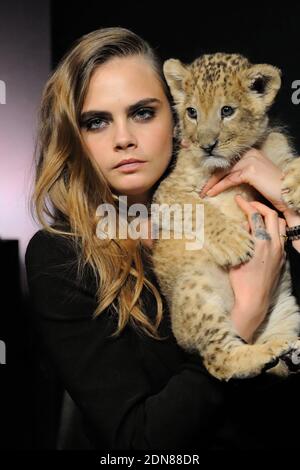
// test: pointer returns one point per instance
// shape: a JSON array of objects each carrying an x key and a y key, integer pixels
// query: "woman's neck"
[{"x": 144, "y": 198}]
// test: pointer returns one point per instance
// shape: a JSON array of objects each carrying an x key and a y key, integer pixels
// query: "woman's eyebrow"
[{"x": 145, "y": 102}]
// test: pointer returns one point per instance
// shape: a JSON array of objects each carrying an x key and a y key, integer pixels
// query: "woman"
[{"x": 99, "y": 313}]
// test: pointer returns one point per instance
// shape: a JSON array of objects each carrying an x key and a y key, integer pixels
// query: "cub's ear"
[
  {"x": 175, "y": 73},
  {"x": 263, "y": 81}
]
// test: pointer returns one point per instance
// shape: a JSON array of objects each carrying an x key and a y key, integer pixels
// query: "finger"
[
  {"x": 233, "y": 179},
  {"x": 282, "y": 231},
  {"x": 246, "y": 225},
  {"x": 217, "y": 176},
  {"x": 239, "y": 173},
  {"x": 255, "y": 219},
  {"x": 253, "y": 152},
  {"x": 270, "y": 220}
]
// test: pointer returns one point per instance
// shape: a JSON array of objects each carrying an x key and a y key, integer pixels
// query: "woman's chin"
[{"x": 134, "y": 190}]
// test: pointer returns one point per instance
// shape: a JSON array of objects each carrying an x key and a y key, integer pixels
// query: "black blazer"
[{"x": 135, "y": 392}]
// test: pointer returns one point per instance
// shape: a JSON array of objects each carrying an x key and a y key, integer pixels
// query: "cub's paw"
[
  {"x": 243, "y": 362},
  {"x": 292, "y": 357},
  {"x": 235, "y": 246},
  {"x": 290, "y": 189}
]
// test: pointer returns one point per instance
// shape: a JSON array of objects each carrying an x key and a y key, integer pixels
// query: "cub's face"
[{"x": 222, "y": 102}]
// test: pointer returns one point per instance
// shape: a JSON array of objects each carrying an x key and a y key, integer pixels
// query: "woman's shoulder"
[
  {"x": 50, "y": 250},
  {"x": 49, "y": 243},
  {"x": 51, "y": 257}
]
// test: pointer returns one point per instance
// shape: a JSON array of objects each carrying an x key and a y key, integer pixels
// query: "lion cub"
[{"x": 221, "y": 102}]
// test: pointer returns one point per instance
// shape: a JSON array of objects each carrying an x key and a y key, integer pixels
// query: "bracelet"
[{"x": 293, "y": 233}]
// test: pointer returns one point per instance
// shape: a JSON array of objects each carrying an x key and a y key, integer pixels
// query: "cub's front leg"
[
  {"x": 279, "y": 151},
  {"x": 291, "y": 184},
  {"x": 227, "y": 241},
  {"x": 200, "y": 314}
]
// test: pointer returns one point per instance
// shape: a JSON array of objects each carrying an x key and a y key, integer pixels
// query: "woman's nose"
[{"x": 124, "y": 136}]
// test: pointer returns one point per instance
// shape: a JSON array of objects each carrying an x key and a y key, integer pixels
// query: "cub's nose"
[{"x": 209, "y": 148}]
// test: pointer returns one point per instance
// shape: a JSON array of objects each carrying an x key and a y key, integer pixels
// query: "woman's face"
[{"x": 126, "y": 115}]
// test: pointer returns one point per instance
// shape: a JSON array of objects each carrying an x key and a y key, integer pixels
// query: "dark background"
[
  {"x": 264, "y": 34},
  {"x": 31, "y": 405}
]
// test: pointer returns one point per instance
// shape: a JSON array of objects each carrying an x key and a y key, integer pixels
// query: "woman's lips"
[{"x": 129, "y": 167}]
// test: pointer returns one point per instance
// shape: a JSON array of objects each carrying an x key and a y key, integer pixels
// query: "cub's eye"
[
  {"x": 227, "y": 111},
  {"x": 192, "y": 113}
]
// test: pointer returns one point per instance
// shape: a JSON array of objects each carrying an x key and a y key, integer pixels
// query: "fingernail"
[{"x": 209, "y": 192}]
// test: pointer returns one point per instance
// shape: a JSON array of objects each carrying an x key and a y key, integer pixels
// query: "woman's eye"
[
  {"x": 192, "y": 113},
  {"x": 144, "y": 114},
  {"x": 96, "y": 123},
  {"x": 227, "y": 111}
]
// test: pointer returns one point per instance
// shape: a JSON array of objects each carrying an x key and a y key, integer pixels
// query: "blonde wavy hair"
[{"x": 69, "y": 186}]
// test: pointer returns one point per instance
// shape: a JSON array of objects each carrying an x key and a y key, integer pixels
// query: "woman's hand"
[
  {"x": 261, "y": 173},
  {"x": 254, "y": 169},
  {"x": 254, "y": 282}
]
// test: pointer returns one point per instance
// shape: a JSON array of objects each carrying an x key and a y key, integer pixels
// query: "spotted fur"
[{"x": 196, "y": 283}]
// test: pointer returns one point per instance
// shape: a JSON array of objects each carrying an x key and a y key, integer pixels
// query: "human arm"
[
  {"x": 254, "y": 282},
  {"x": 108, "y": 378},
  {"x": 260, "y": 172}
]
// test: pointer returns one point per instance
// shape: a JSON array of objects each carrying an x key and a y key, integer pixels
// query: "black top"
[{"x": 139, "y": 393}]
